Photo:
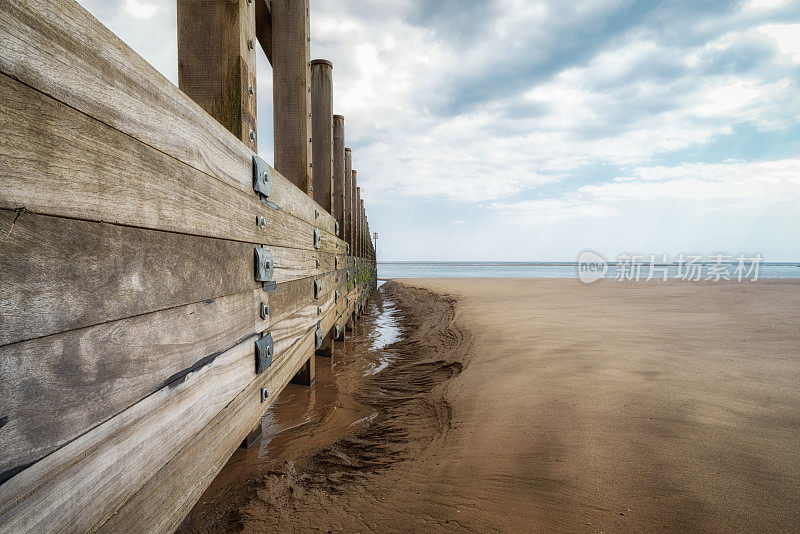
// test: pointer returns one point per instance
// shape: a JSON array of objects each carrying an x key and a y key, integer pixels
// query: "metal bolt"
[
  {"x": 316, "y": 214},
  {"x": 264, "y": 311},
  {"x": 264, "y": 394},
  {"x": 252, "y": 135},
  {"x": 251, "y": 44},
  {"x": 262, "y": 221},
  {"x": 319, "y": 310},
  {"x": 317, "y": 264},
  {"x": 250, "y": 89}
]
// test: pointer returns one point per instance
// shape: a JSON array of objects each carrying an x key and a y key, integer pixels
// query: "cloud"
[
  {"x": 733, "y": 185},
  {"x": 551, "y": 113},
  {"x": 140, "y": 10}
]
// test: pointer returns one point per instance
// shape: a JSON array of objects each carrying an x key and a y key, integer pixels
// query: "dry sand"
[{"x": 550, "y": 405}]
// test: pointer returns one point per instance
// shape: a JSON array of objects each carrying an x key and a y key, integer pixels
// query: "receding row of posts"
[{"x": 217, "y": 69}]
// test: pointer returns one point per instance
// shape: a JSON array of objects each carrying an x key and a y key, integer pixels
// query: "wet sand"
[{"x": 537, "y": 406}]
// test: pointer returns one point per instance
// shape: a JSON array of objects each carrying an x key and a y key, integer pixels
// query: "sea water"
[{"x": 553, "y": 270}]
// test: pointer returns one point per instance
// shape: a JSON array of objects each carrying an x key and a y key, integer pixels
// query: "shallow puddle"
[{"x": 304, "y": 419}]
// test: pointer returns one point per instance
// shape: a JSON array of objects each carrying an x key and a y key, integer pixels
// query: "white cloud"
[
  {"x": 526, "y": 100},
  {"x": 734, "y": 184},
  {"x": 786, "y": 37},
  {"x": 140, "y": 10}
]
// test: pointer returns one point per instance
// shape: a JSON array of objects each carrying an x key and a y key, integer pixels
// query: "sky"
[{"x": 510, "y": 130}]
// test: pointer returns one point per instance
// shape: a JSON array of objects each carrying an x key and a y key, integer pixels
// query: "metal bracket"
[
  {"x": 262, "y": 178},
  {"x": 264, "y": 348},
  {"x": 317, "y": 238},
  {"x": 264, "y": 265},
  {"x": 317, "y": 288},
  {"x": 269, "y": 286},
  {"x": 319, "y": 338}
]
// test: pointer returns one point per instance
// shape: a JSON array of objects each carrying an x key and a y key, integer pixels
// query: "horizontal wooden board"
[
  {"x": 101, "y": 370},
  {"x": 58, "y": 387},
  {"x": 81, "y": 168},
  {"x": 164, "y": 500},
  {"x": 83, "y": 483},
  {"x": 62, "y": 274},
  {"x": 60, "y": 49}
]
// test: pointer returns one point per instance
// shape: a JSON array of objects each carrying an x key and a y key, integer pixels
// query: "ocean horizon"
[{"x": 561, "y": 269}]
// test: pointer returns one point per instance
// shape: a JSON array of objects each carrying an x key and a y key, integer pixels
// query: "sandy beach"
[{"x": 520, "y": 405}]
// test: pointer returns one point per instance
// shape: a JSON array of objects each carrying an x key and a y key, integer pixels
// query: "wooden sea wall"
[{"x": 129, "y": 306}]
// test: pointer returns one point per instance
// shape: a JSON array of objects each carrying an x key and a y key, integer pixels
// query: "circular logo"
[{"x": 591, "y": 266}]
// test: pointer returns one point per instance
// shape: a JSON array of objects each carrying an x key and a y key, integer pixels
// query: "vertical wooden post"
[
  {"x": 348, "y": 198},
  {"x": 354, "y": 215},
  {"x": 322, "y": 131},
  {"x": 291, "y": 90},
  {"x": 338, "y": 172},
  {"x": 305, "y": 376},
  {"x": 363, "y": 230},
  {"x": 359, "y": 232},
  {"x": 217, "y": 62},
  {"x": 327, "y": 345}
]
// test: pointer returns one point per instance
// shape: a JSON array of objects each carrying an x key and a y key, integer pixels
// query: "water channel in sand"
[{"x": 304, "y": 419}]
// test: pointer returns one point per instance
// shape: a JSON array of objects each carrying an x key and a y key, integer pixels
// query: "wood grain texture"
[
  {"x": 291, "y": 102},
  {"x": 201, "y": 459},
  {"x": 80, "y": 485},
  {"x": 353, "y": 213},
  {"x": 338, "y": 174},
  {"x": 322, "y": 132},
  {"x": 58, "y": 48},
  {"x": 62, "y": 274},
  {"x": 80, "y": 166},
  {"x": 97, "y": 372},
  {"x": 359, "y": 223},
  {"x": 80, "y": 276},
  {"x": 216, "y": 64},
  {"x": 348, "y": 198}
]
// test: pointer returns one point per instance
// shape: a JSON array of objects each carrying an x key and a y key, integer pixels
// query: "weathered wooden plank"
[
  {"x": 80, "y": 166},
  {"x": 101, "y": 370},
  {"x": 217, "y": 62},
  {"x": 359, "y": 223},
  {"x": 83, "y": 483},
  {"x": 57, "y": 47},
  {"x": 322, "y": 131},
  {"x": 348, "y": 199},
  {"x": 61, "y": 274},
  {"x": 338, "y": 174},
  {"x": 95, "y": 373},
  {"x": 166, "y": 498},
  {"x": 291, "y": 101}
]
